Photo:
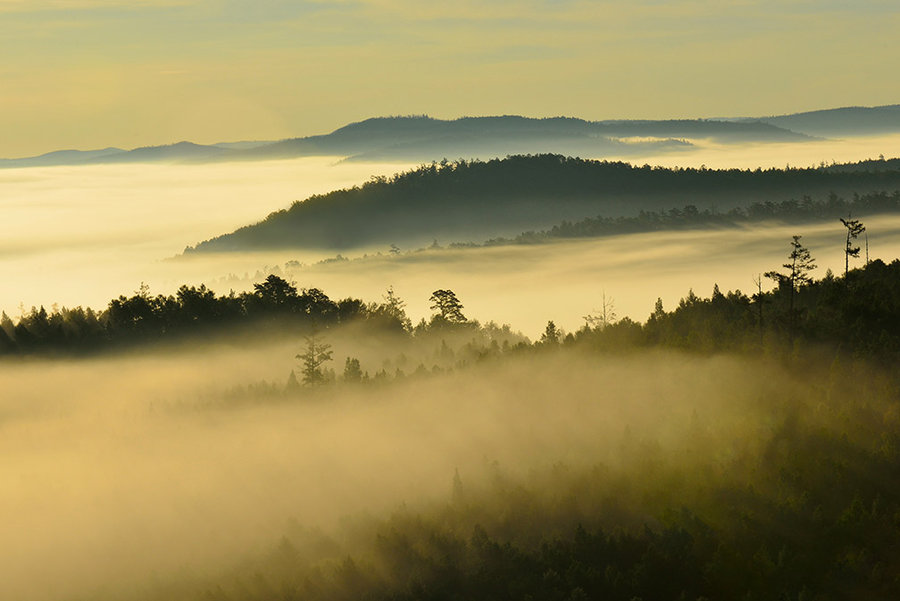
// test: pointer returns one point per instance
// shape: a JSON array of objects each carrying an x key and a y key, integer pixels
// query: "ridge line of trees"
[
  {"x": 805, "y": 210},
  {"x": 856, "y": 313},
  {"x": 385, "y": 207}
]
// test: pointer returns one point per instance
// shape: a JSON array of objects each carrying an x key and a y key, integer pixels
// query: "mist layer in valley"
[
  {"x": 146, "y": 477},
  {"x": 182, "y": 471},
  {"x": 84, "y": 235}
]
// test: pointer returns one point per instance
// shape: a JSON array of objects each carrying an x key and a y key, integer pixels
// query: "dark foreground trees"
[
  {"x": 854, "y": 229},
  {"x": 274, "y": 305},
  {"x": 805, "y": 507},
  {"x": 447, "y": 308},
  {"x": 794, "y": 496},
  {"x": 799, "y": 265}
]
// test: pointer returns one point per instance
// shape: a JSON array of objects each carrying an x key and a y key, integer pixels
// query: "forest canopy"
[
  {"x": 483, "y": 199},
  {"x": 854, "y": 313}
]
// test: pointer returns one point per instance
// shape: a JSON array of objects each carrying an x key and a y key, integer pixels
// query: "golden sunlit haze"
[{"x": 96, "y": 73}]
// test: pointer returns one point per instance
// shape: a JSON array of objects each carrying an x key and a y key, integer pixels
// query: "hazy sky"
[{"x": 93, "y": 73}]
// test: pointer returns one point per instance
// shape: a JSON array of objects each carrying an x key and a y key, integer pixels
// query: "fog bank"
[
  {"x": 114, "y": 475},
  {"x": 83, "y": 235}
]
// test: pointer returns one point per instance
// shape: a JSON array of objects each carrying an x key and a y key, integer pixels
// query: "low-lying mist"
[
  {"x": 778, "y": 154},
  {"x": 527, "y": 285},
  {"x": 83, "y": 235},
  {"x": 163, "y": 471},
  {"x": 120, "y": 475}
]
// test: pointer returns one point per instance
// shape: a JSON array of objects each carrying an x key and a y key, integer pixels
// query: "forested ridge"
[
  {"x": 455, "y": 199},
  {"x": 792, "y": 211},
  {"x": 813, "y": 515},
  {"x": 802, "y": 504},
  {"x": 856, "y": 313}
]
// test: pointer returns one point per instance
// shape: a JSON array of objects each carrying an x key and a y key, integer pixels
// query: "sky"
[{"x": 95, "y": 73}]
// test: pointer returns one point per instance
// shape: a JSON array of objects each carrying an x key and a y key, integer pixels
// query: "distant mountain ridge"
[
  {"x": 423, "y": 139},
  {"x": 171, "y": 152},
  {"x": 426, "y": 138},
  {"x": 61, "y": 157},
  {"x": 846, "y": 121}
]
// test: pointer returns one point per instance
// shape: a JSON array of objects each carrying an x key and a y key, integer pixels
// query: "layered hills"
[
  {"x": 842, "y": 122},
  {"x": 475, "y": 200},
  {"x": 422, "y": 138}
]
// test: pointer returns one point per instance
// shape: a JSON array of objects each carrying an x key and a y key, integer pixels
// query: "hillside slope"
[
  {"x": 474, "y": 200},
  {"x": 842, "y": 122},
  {"x": 422, "y": 138},
  {"x": 425, "y": 138}
]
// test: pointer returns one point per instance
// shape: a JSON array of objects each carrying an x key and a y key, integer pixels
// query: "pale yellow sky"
[{"x": 95, "y": 73}]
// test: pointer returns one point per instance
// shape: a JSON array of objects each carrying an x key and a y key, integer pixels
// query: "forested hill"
[
  {"x": 475, "y": 200},
  {"x": 855, "y": 313},
  {"x": 846, "y": 121}
]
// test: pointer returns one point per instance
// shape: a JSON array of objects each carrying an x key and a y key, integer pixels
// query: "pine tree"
[
  {"x": 447, "y": 306},
  {"x": 352, "y": 370},
  {"x": 292, "y": 383},
  {"x": 394, "y": 307},
  {"x": 317, "y": 353},
  {"x": 800, "y": 263},
  {"x": 551, "y": 335},
  {"x": 854, "y": 229}
]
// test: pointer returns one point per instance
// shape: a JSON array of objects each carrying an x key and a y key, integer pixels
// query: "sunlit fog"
[
  {"x": 83, "y": 235},
  {"x": 780, "y": 154},
  {"x": 482, "y": 424},
  {"x": 122, "y": 475}
]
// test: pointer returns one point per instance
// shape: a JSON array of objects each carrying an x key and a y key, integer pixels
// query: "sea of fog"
[
  {"x": 120, "y": 475},
  {"x": 82, "y": 235}
]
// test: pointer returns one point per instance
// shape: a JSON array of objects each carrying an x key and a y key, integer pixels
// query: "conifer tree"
[
  {"x": 854, "y": 229},
  {"x": 551, "y": 335},
  {"x": 800, "y": 263},
  {"x": 447, "y": 306},
  {"x": 317, "y": 353},
  {"x": 352, "y": 370}
]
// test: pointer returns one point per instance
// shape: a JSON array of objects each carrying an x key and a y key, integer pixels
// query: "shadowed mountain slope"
[
  {"x": 424, "y": 138},
  {"x": 61, "y": 157},
  {"x": 842, "y": 122},
  {"x": 474, "y": 200}
]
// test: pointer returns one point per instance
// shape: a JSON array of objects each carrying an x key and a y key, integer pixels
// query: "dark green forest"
[
  {"x": 792, "y": 211},
  {"x": 808, "y": 507},
  {"x": 813, "y": 514},
  {"x": 855, "y": 314},
  {"x": 463, "y": 199}
]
